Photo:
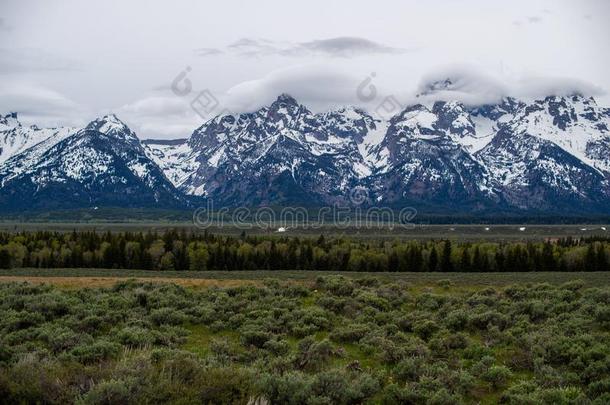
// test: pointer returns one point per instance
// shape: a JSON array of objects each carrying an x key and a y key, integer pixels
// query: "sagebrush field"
[{"x": 332, "y": 340}]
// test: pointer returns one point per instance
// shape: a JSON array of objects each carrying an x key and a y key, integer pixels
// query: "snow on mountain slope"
[
  {"x": 15, "y": 138},
  {"x": 535, "y": 173},
  {"x": 174, "y": 158},
  {"x": 445, "y": 153},
  {"x": 547, "y": 154},
  {"x": 426, "y": 159},
  {"x": 103, "y": 163},
  {"x": 575, "y": 123},
  {"x": 279, "y": 142},
  {"x": 9, "y": 121}
]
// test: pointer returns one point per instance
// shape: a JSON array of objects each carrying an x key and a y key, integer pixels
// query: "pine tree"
[
  {"x": 465, "y": 263},
  {"x": 601, "y": 261},
  {"x": 548, "y": 259},
  {"x": 433, "y": 260},
  {"x": 500, "y": 261},
  {"x": 477, "y": 260},
  {"x": 446, "y": 264},
  {"x": 590, "y": 259},
  {"x": 5, "y": 259},
  {"x": 393, "y": 262}
]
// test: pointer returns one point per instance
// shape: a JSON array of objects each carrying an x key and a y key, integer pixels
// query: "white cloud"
[
  {"x": 317, "y": 86},
  {"x": 463, "y": 83},
  {"x": 33, "y": 59},
  {"x": 39, "y": 105},
  {"x": 208, "y": 52},
  {"x": 4, "y": 26},
  {"x": 161, "y": 117},
  {"x": 345, "y": 47},
  {"x": 475, "y": 87},
  {"x": 342, "y": 47},
  {"x": 538, "y": 86},
  {"x": 156, "y": 105}
]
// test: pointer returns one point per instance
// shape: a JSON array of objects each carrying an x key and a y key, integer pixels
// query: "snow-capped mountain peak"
[
  {"x": 103, "y": 163},
  {"x": 16, "y": 138},
  {"x": 575, "y": 123},
  {"x": 551, "y": 153},
  {"x": 111, "y": 125},
  {"x": 9, "y": 121}
]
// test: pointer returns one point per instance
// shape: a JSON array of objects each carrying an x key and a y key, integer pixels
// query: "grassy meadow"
[{"x": 93, "y": 337}]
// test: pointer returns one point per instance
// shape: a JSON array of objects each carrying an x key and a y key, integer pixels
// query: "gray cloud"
[
  {"x": 342, "y": 47},
  {"x": 4, "y": 26},
  {"x": 345, "y": 47},
  {"x": 208, "y": 52},
  {"x": 120, "y": 64},
  {"x": 21, "y": 60},
  {"x": 39, "y": 105},
  {"x": 160, "y": 116},
  {"x": 534, "y": 19},
  {"x": 250, "y": 47}
]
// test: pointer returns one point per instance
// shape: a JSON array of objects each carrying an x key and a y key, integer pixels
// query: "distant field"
[
  {"x": 419, "y": 231},
  {"x": 105, "y": 277}
]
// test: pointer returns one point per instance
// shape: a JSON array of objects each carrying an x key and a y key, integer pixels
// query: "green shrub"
[
  {"x": 168, "y": 316},
  {"x": 109, "y": 392},
  {"x": 289, "y": 388},
  {"x": 313, "y": 355},
  {"x": 350, "y": 333},
  {"x": 336, "y": 285},
  {"x": 497, "y": 375},
  {"x": 96, "y": 351},
  {"x": 377, "y": 302},
  {"x": 425, "y": 329},
  {"x": 277, "y": 347},
  {"x": 228, "y": 385},
  {"x": 408, "y": 369},
  {"x": 368, "y": 343},
  {"x": 253, "y": 337},
  {"x": 135, "y": 336},
  {"x": 456, "y": 320}
]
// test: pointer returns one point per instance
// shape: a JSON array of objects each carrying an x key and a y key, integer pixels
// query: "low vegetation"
[{"x": 335, "y": 340}]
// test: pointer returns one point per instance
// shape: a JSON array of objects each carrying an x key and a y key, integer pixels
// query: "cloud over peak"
[
  {"x": 341, "y": 47},
  {"x": 346, "y": 47},
  {"x": 316, "y": 86},
  {"x": 474, "y": 87}
]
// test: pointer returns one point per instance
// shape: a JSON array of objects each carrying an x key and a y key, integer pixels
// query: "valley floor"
[
  {"x": 107, "y": 277},
  {"x": 419, "y": 231},
  {"x": 98, "y": 336}
]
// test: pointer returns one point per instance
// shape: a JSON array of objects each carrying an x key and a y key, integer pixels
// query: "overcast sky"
[{"x": 66, "y": 62}]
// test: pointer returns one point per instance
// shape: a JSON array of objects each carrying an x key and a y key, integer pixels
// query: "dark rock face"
[{"x": 550, "y": 155}]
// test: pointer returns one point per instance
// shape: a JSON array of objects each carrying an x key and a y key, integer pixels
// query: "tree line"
[{"x": 183, "y": 250}]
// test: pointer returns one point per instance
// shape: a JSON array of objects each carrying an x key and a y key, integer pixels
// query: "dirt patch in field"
[{"x": 82, "y": 282}]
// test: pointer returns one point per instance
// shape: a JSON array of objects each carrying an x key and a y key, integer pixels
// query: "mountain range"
[{"x": 550, "y": 155}]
